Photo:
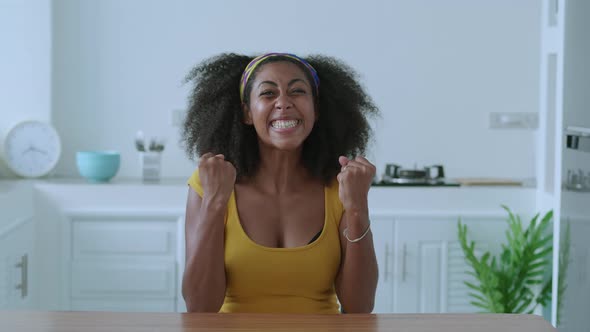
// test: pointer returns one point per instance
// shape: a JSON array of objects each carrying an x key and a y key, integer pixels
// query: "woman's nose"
[{"x": 283, "y": 101}]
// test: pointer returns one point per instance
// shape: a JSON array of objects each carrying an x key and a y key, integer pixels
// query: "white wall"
[
  {"x": 25, "y": 64},
  {"x": 436, "y": 69},
  {"x": 16, "y": 204}
]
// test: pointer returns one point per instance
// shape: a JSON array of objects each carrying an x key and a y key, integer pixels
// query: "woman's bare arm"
[
  {"x": 357, "y": 279},
  {"x": 203, "y": 284}
]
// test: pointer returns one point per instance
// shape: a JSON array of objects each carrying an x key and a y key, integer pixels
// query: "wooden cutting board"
[{"x": 488, "y": 182}]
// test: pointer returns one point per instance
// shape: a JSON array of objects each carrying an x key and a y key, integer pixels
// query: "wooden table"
[{"x": 152, "y": 322}]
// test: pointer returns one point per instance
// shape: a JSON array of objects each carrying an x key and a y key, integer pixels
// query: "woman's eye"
[
  {"x": 266, "y": 93},
  {"x": 299, "y": 91}
]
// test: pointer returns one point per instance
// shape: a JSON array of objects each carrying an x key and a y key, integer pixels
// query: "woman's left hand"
[{"x": 355, "y": 179}]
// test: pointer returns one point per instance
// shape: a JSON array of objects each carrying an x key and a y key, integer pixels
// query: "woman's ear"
[{"x": 247, "y": 114}]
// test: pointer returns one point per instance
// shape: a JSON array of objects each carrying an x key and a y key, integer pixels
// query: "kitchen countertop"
[
  {"x": 75, "y": 194},
  {"x": 144, "y": 322},
  {"x": 526, "y": 183}
]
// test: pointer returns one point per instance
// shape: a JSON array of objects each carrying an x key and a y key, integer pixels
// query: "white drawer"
[
  {"x": 137, "y": 280},
  {"x": 116, "y": 237}
]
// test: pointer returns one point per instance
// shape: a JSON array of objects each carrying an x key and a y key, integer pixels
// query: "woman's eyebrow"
[
  {"x": 267, "y": 82},
  {"x": 293, "y": 81}
]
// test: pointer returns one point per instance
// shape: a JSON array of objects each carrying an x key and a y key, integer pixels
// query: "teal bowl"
[{"x": 98, "y": 166}]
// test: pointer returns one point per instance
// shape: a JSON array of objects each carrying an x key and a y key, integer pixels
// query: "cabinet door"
[
  {"x": 430, "y": 268},
  {"x": 121, "y": 263},
  {"x": 382, "y": 230},
  {"x": 16, "y": 267},
  {"x": 116, "y": 285}
]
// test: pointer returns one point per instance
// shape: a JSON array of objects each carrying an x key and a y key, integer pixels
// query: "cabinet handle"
[
  {"x": 24, "y": 270},
  {"x": 386, "y": 261},
  {"x": 553, "y": 12},
  {"x": 404, "y": 254}
]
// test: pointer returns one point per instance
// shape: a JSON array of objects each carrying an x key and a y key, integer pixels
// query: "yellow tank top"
[{"x": 281, "y": 280}]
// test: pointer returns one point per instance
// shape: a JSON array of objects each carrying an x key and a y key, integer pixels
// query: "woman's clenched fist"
[
  {"x": 354, "y": 181},
  {"x": 218, "y": 177}
]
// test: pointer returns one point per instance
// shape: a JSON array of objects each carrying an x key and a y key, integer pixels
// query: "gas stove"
[{"x": 395, "y": 175}]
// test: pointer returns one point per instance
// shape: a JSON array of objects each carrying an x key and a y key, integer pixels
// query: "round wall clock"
[{"x": 32, "y": 148}]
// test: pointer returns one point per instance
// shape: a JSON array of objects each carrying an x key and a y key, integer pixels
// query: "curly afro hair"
[{"x": 215, "y": 121}]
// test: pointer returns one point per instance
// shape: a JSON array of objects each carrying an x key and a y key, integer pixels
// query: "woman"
[{"x": 277, "y": 217}]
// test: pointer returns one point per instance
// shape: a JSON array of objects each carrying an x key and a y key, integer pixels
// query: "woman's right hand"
[{"x": 218, "y": 177}]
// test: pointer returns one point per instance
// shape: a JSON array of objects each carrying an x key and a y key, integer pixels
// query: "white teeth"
[{"x": 280, "y": 124}]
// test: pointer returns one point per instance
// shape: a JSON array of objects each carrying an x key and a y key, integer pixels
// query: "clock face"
[{"x": 32, "y": 148}]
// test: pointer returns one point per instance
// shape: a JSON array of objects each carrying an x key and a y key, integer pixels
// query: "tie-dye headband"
[{"x": 259, "y": 59}]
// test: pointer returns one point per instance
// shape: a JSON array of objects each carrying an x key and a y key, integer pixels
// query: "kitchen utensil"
[
  {"x": 429, "y": 175},
  {"x": 157, "y": 144},
  {"x": 140, "y": 141}
]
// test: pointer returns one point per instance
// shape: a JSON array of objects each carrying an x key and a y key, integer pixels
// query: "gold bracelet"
[{"x": 345, "y": 233}]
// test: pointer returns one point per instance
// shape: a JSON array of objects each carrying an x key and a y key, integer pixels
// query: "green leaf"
[
  {"x": 545, "y": 241},
  {"x": 539, "y": 264},
  {"x": 478, "y": 297},
  {"x": 542, "y": 254},
  {"x": 524, "y": 304},
  {"x": 472, "y": 286},
  {"x": 481, "y": 305},
  {"x": 536, "y": 274}
]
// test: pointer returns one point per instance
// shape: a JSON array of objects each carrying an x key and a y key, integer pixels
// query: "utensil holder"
[{"x": 150, "y": 163}]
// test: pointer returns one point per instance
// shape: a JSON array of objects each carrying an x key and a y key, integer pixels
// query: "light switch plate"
[{"x": 514, "y": 120}]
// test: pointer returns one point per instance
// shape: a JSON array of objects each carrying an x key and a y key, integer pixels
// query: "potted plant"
[{"x": 517, "y": 281}]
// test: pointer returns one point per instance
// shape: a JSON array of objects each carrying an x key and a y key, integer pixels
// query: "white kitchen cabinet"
[
  {"x": 421, "y": 263},
  {"x": 17, "y": 257},
  {"x": 127, "y": 262},
  {"x": 120, "y": 246}
]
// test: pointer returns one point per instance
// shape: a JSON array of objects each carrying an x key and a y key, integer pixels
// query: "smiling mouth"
[{"x": 284, "y": 124}]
